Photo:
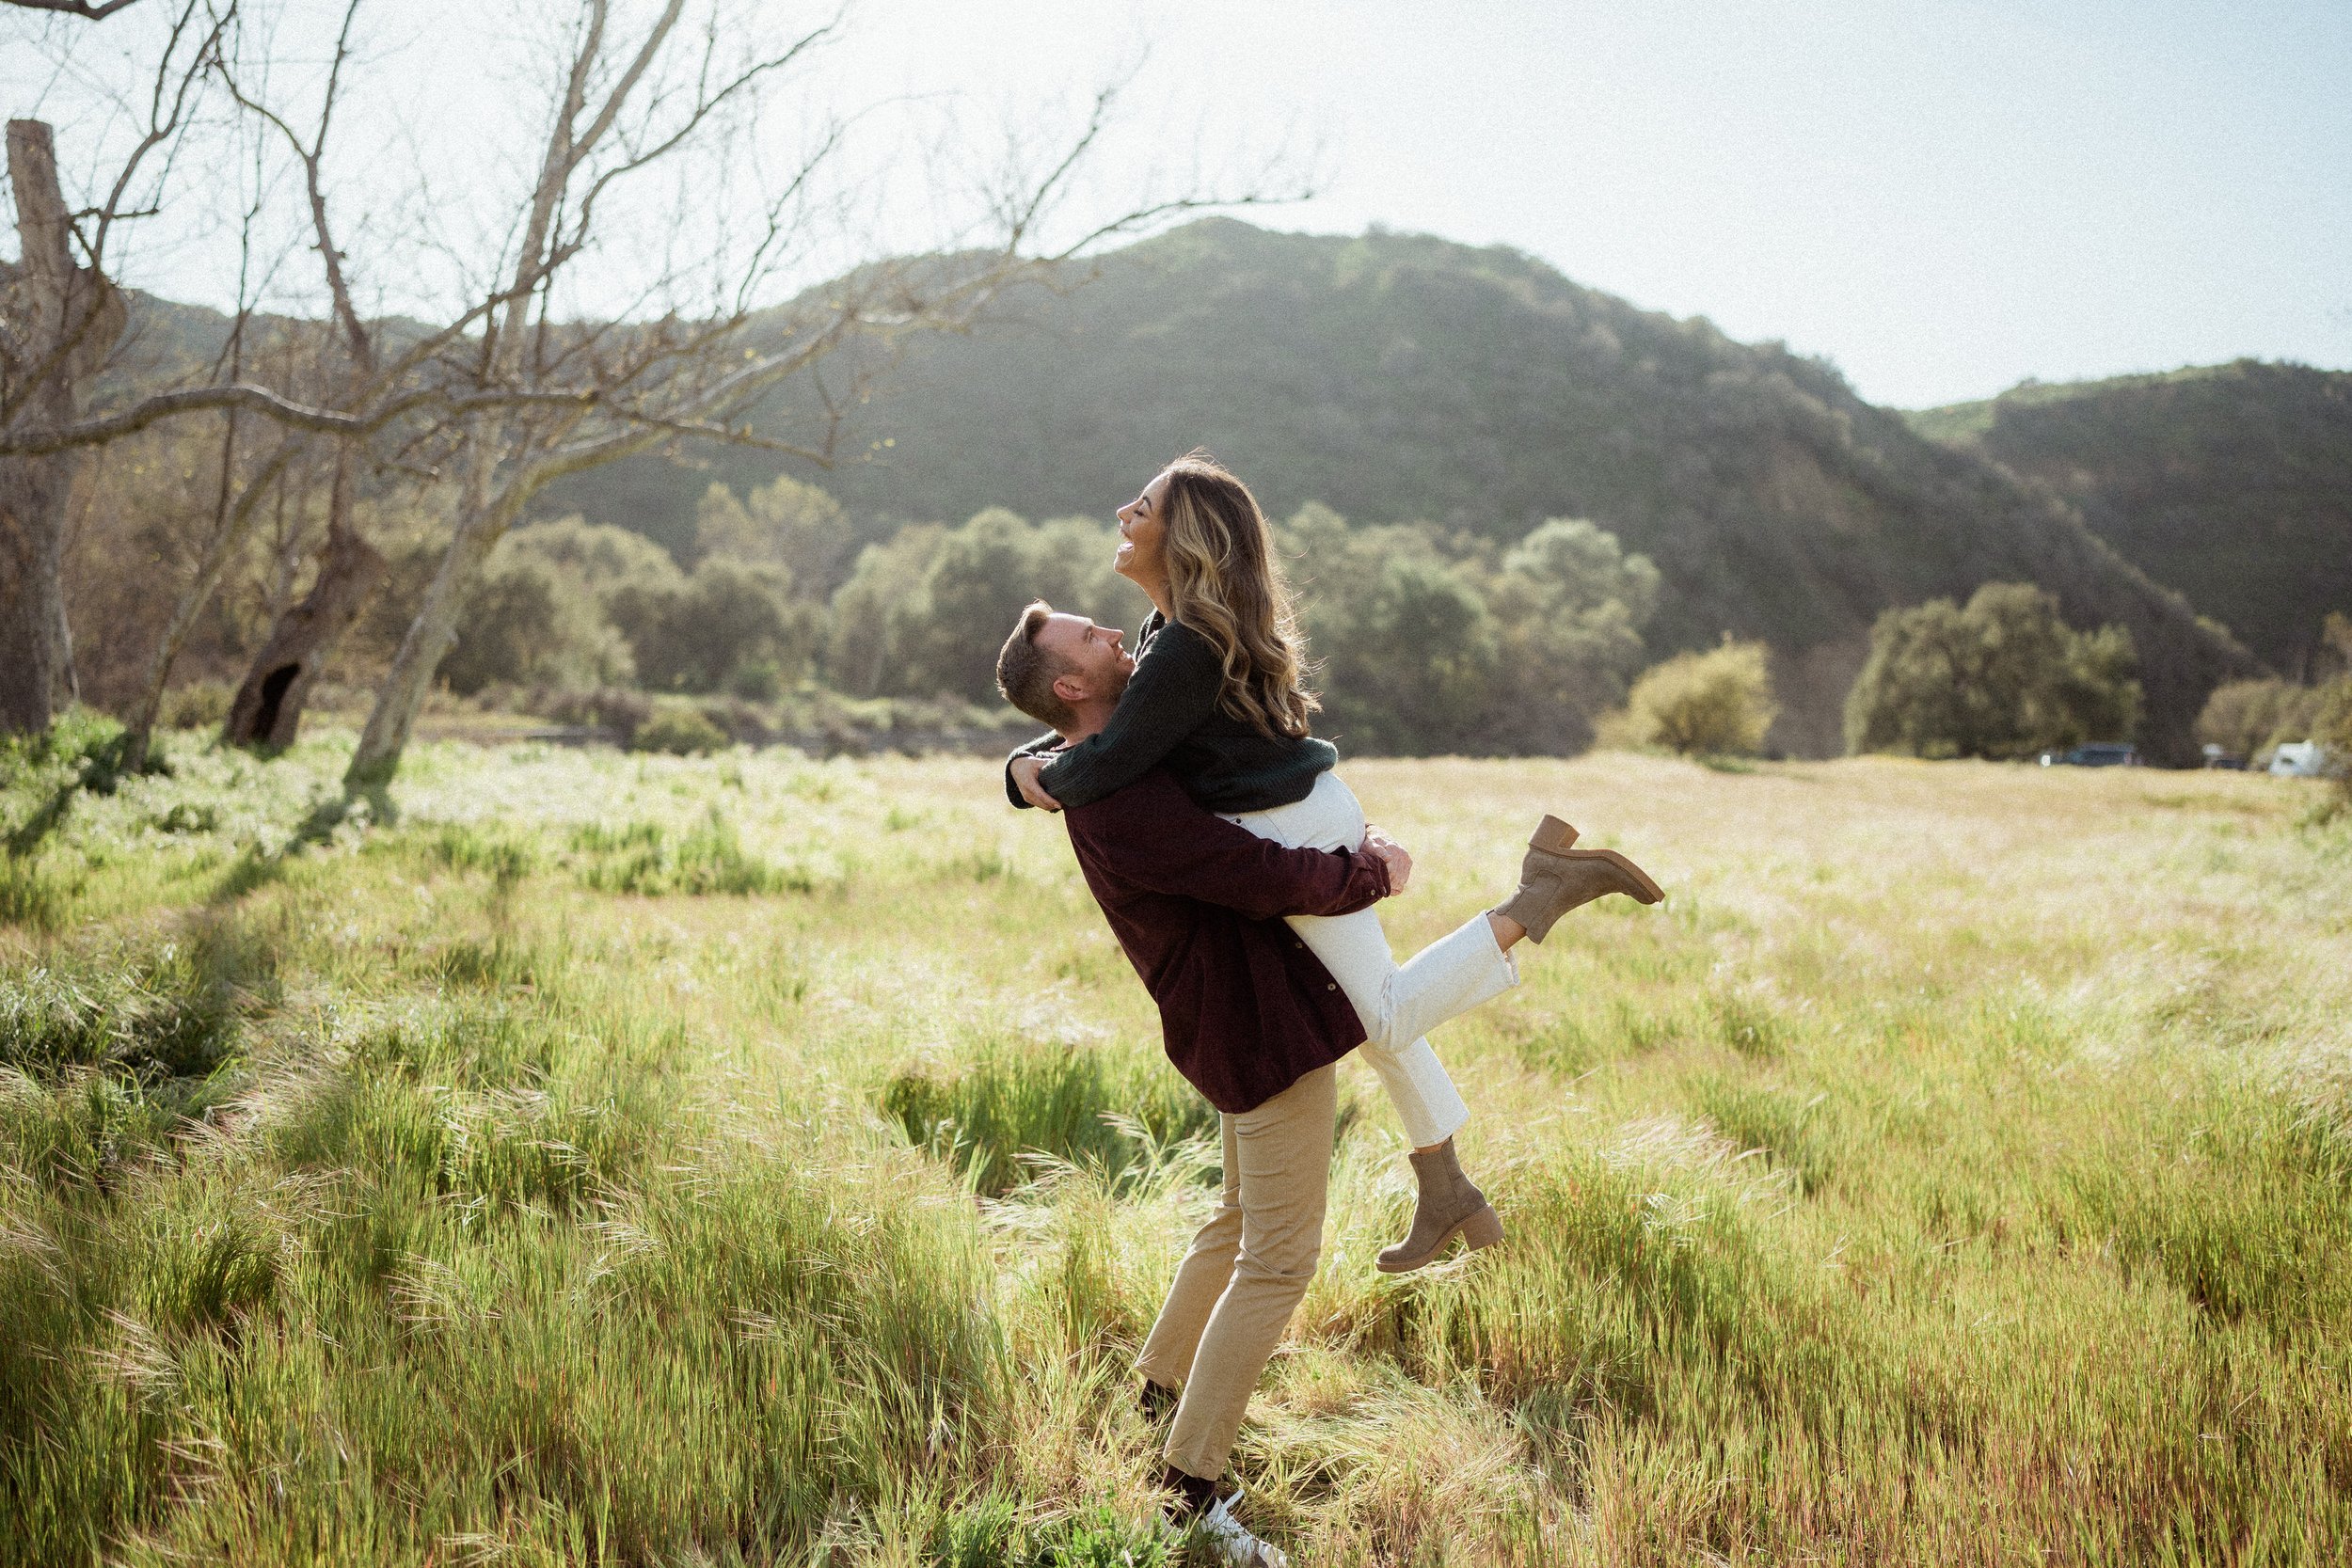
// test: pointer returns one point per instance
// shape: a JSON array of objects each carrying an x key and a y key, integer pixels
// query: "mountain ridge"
[
  {"x": 1404, "y": 377},
  {"x": 2231, "y": 483}
]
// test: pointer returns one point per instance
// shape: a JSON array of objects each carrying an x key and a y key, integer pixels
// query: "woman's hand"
[
  {"x": 1025, "y": 772},
  {"x": 1393, "y": 855}
]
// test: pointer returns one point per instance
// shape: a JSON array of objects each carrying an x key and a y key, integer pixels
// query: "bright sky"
[{"x": 1942, "y": 197}]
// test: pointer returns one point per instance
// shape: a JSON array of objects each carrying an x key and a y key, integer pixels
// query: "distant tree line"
[{"x": 1424, "y": 641}]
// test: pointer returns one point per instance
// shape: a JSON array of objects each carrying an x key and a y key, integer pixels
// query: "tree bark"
[
  {"x": 65, "y": 324},
  {"x": 268, "y": 706},
  {"x": 398, "y": 700}
]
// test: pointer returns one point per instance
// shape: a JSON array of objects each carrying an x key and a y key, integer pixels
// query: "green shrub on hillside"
[
  {"x": 1713, "y": 704},
  {"x": 680, "y": 731},
  {"x": 540, "y": 615},
  {"x": 2003, "y": 677},
  {"x": 786, "y": 524},
  {"x": 925, "y": 612},
  {"x": 1427, "y": 643},
  {"x": 694, "y": 634}
]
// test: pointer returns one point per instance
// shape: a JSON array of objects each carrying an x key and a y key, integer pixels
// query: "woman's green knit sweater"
[{"x": 1169, "y": 717}]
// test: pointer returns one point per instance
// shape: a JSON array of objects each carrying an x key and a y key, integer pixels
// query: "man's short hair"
[{"x": 1025, "y": 672}]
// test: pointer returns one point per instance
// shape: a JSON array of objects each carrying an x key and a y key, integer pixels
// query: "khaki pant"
[{"x": 1249, "y": 1265}]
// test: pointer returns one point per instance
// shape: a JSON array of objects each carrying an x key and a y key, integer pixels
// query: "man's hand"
[
  {"x": 1391, "y": 853},
  {"x": 1025, "y": 772}
]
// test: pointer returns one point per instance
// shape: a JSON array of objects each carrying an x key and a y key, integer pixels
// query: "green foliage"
[
  {"x": 508, "y": 628},
  {"x": 82, "y": 747},
  {"x": 197, "y": 706},
  {"x": 2246, "y": 719},
  {"x": 1713, "y": 704},
  {"x": 1425, "y": 644},
  {"x": 1570, "y": 605},
  {"x": 694, "y": 635},
  {"x": 925, "y": 612},
  {"x": 1423, "y": 640},
  {"x": 539, "y": 614},
  {"x": 601, "y": 556},
  {"x": 794, "y": 527},
  {"x": 1410, "y": 657},
  {"x": 168, "y": 1011},
  {"x": 680, "y": 732},
  {"x": 984, "y": 572},
  {"x": 2003, "y": 677}
]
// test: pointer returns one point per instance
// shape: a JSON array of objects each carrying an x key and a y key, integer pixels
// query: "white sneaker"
[{"x": 1218, "y": 1524}]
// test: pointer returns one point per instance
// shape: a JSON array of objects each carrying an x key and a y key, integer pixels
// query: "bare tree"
[
  {"x": 508, "y": 392},
  {"x": 643, "y": 387},
  {"x": 60, "y": 317},
  {"x": 52, "y": 328},
  {"x": 267, "y": 709}
]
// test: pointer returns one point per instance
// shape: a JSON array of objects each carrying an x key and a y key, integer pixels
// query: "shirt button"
[{"x": 1332, "y": 985}]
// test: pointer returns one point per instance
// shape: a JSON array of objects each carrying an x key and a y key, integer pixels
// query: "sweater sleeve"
[
  {"x": 1045, "y": 742},
  {"x": 1151, "y": 835},
  {"x": 1173, "y": 691}
]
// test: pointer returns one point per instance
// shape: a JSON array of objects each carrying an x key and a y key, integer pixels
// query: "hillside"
[
  {"x": 1397, "y": 377},
  {"x": 2231, "y": 484}
]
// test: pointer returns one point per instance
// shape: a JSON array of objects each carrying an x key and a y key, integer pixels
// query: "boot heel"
[
  {"x": 1482, "y": 1229},
  {"x": 1551, "y": 835}
]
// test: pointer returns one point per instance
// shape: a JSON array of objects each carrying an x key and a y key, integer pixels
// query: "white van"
[{"x": 2299, "y": 759}]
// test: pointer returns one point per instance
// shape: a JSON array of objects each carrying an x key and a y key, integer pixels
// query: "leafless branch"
[
  {"x": 312, "y": 155},
  {"x": 97, "y": 11},
  {"x": 248, "y": 397}
]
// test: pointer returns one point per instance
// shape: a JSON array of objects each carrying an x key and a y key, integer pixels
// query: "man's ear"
[{"x": 1069, "y": 689}]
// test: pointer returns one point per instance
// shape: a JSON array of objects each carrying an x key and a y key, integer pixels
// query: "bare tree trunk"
[
  {"x": 64, "y": 327},
  {"x": 268, "y": 707},
  {"x": 30, "y": 490},
  {"x": 140, "y": 728},
  {"x": 405, "y": 685}
]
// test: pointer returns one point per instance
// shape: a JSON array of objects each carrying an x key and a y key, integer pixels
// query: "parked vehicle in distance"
[
  {"x": 2217, "y": 757},
  {"x": 2102, "y": 753},
  {"x": 2299, "y": 759}
]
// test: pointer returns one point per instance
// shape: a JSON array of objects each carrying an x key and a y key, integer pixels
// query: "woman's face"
[{"x": 1142, "y": 535}]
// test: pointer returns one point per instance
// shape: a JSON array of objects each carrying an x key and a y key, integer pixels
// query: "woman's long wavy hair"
[{"x": 1224, "y": 583}]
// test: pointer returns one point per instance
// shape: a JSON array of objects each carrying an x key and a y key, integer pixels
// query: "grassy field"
[{"x": 600, "y": 1158}]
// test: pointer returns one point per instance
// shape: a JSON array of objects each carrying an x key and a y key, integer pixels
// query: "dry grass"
[{"x": 639, "y": 1160}]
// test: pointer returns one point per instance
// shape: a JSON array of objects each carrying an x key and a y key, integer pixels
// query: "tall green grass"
[{"x": 591, "y": 1158}]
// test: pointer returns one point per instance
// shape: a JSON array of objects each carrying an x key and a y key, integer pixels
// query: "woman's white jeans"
[{"x": 1398, "y": 1005}]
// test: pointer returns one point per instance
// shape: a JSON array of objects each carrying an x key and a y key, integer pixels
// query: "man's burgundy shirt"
[{"x": 1245, "y": 1010}]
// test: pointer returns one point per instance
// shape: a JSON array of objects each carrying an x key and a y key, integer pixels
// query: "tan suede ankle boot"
[
  {"x": 1448, "y": 1204},
  {"x": 1555, "y": 879}
]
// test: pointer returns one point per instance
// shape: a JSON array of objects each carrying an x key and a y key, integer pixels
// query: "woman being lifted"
[{"x": 1217, "y": 698}]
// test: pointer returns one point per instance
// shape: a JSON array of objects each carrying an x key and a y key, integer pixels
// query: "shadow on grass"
[
  {"x": 28, "y": 835},
  {"x": 259, "y": 868}
]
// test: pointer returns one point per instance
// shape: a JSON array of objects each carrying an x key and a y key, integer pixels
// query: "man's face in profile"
[{"x": 1094, "y": 661}]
